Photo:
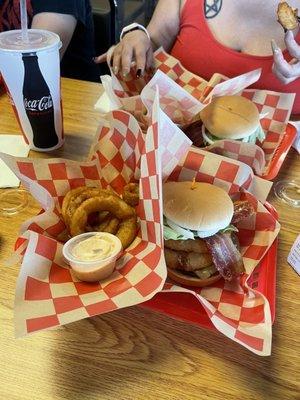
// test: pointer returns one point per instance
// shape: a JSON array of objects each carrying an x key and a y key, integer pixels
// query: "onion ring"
[
  {"x": 127, "y": 231},
  {"x": 116, "y": 206},
  {"x": 77, "y": 197},
  {"x": 131, "y": 194},
  {"x": 67, "y": 199},
  {"x": 111, "y": 225}
]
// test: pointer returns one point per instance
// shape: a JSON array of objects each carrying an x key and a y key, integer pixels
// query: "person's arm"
[
  {"x": 164, "y": 25},
  {"x": 62, "y": 24},
  {"x": 163, "y": 29}
]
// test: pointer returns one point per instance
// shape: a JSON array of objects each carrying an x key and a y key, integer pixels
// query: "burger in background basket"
[
  {"x": 226, "y": 117},
  {"x": 200, "y": 239},
  {"x": 231, "y": 117}
]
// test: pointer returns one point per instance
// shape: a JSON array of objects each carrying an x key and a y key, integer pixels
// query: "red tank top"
[{"x": 202, "y": 54}]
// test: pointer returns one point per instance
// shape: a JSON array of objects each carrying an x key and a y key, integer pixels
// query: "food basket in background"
[{"x": 183, "y": 95}]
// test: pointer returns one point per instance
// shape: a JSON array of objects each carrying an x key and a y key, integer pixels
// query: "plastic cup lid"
[{"x": 38, "y": 40}]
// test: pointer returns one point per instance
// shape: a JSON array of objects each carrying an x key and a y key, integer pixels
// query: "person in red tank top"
[
  {"x": 209, "y": 56},
  {"x": 226, "y": 36}
]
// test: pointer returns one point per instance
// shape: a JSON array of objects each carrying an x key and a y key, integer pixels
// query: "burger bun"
[
  {"x": 197, "y": 206},
  {"x": 230, "y": 117}
]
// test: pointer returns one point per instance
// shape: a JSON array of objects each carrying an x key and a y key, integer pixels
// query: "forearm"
[
  {"x": 62, "y": 24},
  {"x": 164, "y": 25}
]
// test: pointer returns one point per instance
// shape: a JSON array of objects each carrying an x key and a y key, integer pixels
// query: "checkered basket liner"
[
  {"x": 48, "y": 295},
  {"x": 276, "y": 106},
  {"x": 236, "y": 310}
]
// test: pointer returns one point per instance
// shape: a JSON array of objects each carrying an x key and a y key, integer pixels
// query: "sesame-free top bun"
[
  {"x": 230, "y": 117},
  {"x": 197, "y": 206}
]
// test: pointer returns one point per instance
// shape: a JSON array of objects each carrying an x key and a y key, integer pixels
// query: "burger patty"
[
  {"x": 194, "y": 245},
  {"x": 187, "y": 261}
]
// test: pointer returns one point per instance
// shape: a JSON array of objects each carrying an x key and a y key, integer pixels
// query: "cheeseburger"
[
  {"x": 231, "y": 117},
  {"x": 199, "y": 235}
]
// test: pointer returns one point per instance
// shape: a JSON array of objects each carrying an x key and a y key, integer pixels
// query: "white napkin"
[
  {"x": 108, "y": 101},
  {"x": 15, "y": 146},
  {"x": 294, "y": 256}
]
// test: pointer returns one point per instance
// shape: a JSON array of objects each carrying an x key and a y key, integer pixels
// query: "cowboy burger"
[{"x": 199, "y": 233}]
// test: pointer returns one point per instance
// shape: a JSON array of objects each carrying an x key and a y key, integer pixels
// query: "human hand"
[
  {"x": 286, "y": 71},
  {"x": 135, "y": 46}
]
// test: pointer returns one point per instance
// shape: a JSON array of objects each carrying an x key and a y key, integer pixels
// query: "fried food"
[
  {"x": 87, "y": 209},
  {"x": 114, "y": 205},
  {"x": 77, "y": 196},
  {"x": 131, "y": 194},
  {"x": 287, "y": 16},
  {"x": 108, "y": 224},
  {"x": 72, "y": 194},
  {"x": 196, "y": 246},
  {"x": 127, "y": 231},
  {"x": 187, "y": 261}
]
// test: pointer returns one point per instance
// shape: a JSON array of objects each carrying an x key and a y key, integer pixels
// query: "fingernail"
[
  {"x": 138, "y": 73},
  {"x": 125, "y": 72},
  {"x": 115, "y": 70}
]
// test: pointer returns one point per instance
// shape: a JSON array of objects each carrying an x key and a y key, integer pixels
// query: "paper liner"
[
  {"x": 129, "y": 92},
  {"x": 47, "y": 293},
  {"x": 236, "y": 310}
]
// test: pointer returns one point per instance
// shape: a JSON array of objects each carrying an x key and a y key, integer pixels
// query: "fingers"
[
  {"x": 149, "y": 59},
  {"x": 127, "y": 56},
  {"x": 280, "y": 64},
  {"x": 291, "y": 45},
  {"x": 116, "y": 64},
  {"x": 100, "y": 59},
  {"x": 282, "y": 78},
  {"x": 140, "y": 57},
  {"x": 135, "y": 46}
]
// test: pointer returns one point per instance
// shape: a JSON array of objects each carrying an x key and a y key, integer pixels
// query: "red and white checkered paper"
[
  {"x": 275, "y": 106},
  {"x": 47, "y": 294},
  {"x": 236, "y": 310}
]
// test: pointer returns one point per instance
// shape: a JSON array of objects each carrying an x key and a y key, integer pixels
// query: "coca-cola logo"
[{"x": 38, "y": 105}]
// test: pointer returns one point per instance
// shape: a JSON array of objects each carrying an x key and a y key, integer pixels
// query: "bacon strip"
[
  {"x": 226, "y": 257},
  {"x": 242, "y": 210},
  {"x": 193, "y": 132}
]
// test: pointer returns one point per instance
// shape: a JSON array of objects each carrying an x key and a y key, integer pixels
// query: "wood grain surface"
[{"x": 134, "y": 353}]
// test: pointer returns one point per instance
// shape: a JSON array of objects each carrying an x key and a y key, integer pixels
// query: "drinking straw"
[{"x": 24, "y": 21}]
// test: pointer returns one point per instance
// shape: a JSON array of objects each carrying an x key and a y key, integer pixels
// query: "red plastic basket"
[
  {"x": 185, "y": 307},
  {"x": 280, "y": 153}
]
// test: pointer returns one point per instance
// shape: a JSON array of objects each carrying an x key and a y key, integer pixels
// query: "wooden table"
[{"x": 134, "y": 353}]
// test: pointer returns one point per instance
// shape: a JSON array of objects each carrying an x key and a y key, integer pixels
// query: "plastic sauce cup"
[{"x": 92, "y": 270}]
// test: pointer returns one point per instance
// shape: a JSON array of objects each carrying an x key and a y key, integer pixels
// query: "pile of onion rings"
[{"x": 87, "y": 209}]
